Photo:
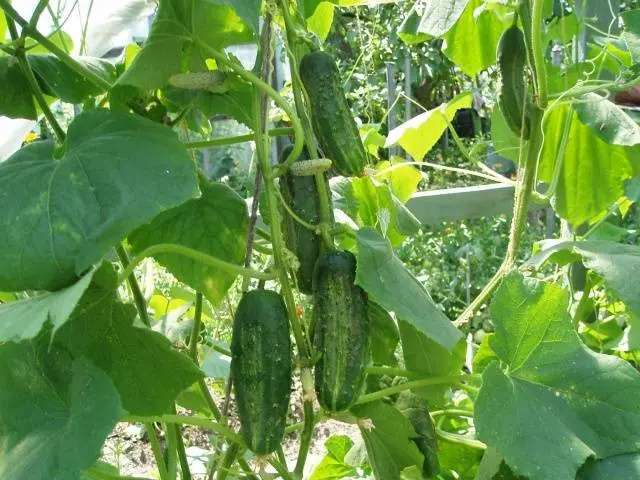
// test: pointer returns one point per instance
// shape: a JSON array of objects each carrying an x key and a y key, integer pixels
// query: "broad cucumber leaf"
[
  {"x": 631, "y": 34},
  {"x": 403, "y": 179},
  {"x": 608, "y": 121},
  {"x": 384, "y": 335},
  {"x": 170, "y": 48},
  {"x": 420, "y": 134},
  {"x": 333, "y": 465},
  {"x": 550, "y": 390},
  {"x": 505, "y": 142},
  {"x": 23, "y": 319},
  {"x": 61, "y": 213},
  {"x": 320, "y": 22},
  {"x": 472, "y": 43},
  {"x": 145, "y": 368},
  {"x": 383, "y": 276},
  {"x": 55, "y": 79},
  {"x": 388, "y": 439},
  {"x": 410, "y": 30},
  {"x": 216, "y": 365},
  {"x": 215, "y": 224},
  {"x": 55, "y": 411},
  {"x": 616, "y": 263},
  {"x": 423, "y": 355},
  {"x": 612, "y": 468},
  {"x": 247, "y": 10},
  {"x": 593, "y": 172},
  {"x": 438, "y": 16}
]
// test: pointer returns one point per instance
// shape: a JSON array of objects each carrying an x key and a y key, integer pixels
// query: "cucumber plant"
[{"x": 83, "y": 345}]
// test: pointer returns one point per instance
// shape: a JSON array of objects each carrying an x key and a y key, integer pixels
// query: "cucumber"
[
  {"x": 333, "y": 124},
  {"x": 513, "y": 98},
  {"x": 261, "y": 367},
  {"x": 341, "y": 333},
  {"x": 301, "y": 195}
]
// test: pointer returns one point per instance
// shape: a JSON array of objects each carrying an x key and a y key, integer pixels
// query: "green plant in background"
[{"x": 546, "y": 386}]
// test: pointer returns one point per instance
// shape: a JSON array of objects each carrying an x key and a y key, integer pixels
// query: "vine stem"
[
  {"x": 527, "y": 173},
  {"x": 36, "y": 91},
  {"x": 452, "y": 412},
  {"x": 53, "y": 48},
  {"x": 195, "y": 255},
  {"x": 157, "y": 451},
  {"x": 185, "y": 420},
  {"x": 380, "y": 394},
  {"x": 461, "y": 440},
  {"x": 248, "y": 137},
  {"x": 138, "y": 297},
  {"x": 250, "y": 77},
  {"x": 195, "y": 330}
]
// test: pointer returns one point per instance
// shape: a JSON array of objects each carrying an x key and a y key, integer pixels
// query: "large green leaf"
[
  {"x": 60, "y": 215},
  {"x": 608, "y": 121},
  {"x": 616, "y": 263},
  {"x": 383, "y": 276},
  {"x": 423, "y": 355},
  {"x": 613, "y": 468},
  {"x": 55, "y": 79},
  {"x": 551, "y": 403},
  {"x": 436, "y": 17},
  {"x": 247, "y": 10},
  {"x": 388, "y": 439},
  {"x": 170, "y": 48},
  {"x": 142, "y": 364},
  {"x": 55, "y": 412},
  {"x": 234, "y": 100},
  {"x": 471, "y": 44},
  {"x": 333, "y": 465},
  {"x": 420, "y": 134},
  {"x": 631, "y": 34},
  {"x": 593, "y": 172},
  {"x": 384, "y": 335},
  {"x": 16, "y": 100},
  {"x": 25, "y": 318},
  {"x": 215, "y": 224}
]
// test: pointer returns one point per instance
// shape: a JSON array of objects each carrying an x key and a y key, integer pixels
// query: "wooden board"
[{"x": 462, "y": 203}]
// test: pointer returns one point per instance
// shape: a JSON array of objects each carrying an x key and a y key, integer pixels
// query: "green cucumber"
[
  {"x": 333, "y": 124},
  {"x": 513, "y": 97},
  {"x": 301, "y": 195},
  {"x": 341, "y": 333},
  {"x": 261, "y": 366}
]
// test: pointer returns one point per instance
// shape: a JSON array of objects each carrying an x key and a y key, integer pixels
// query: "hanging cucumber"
[
  {"x": 333, "y": 124},
  {"x": 513, "y": 96},
  {"x": 261, "y": 369},
  {"x": 301, "y": 195},
  {"x": 341, "y": 331}
]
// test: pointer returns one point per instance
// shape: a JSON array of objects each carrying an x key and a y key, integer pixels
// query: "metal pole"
[{"x": 391, "y": 98}]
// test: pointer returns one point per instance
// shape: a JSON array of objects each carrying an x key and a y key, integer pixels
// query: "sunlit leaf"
[
  {"x": 60, "y": 215},
  {"x": 549, "y": 389}
]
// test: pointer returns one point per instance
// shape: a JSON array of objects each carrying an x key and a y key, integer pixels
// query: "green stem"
[
  {"x": 527, "y": 174},
  {"x": 157, "y": 450},
  {"x": 195, "y": 330},
  {"x": 452, "y": 412},
  {"x": 305, "y": 439},
  {"x": 538, "y": 52},
  {"x": 195, "y": 255},
  {"x": 393, "y": 372},
  {"x": 138, "y": 297},
  {"x": 380, "y": 394},
  {"x": 37, "y": 12},
  {"x": 281, "y": 469},
  {"x": 184, "y": 420},
  {"x": 53, "y": 48},
  {"x": 249, "y": 137},
  {"x": 250, "y": 77},
  {"x": 172, "y": 449},
  {"x": 229, "y": 457},
  {"x": 293, "y": 214},
  {"x": 182, "y": 453},
  {"x": 461, "y": 440},
  {"x": 38, "y": 95}
]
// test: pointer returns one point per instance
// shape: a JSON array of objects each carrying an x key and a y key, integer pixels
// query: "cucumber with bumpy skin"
[
  {"x": 333, "y": 124},
  {"x": 301, "y": 195},
  {"x": 513, "y": 97},
  {"x": 261, "y": 367},
  {"x": 341, "y": 331}
]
